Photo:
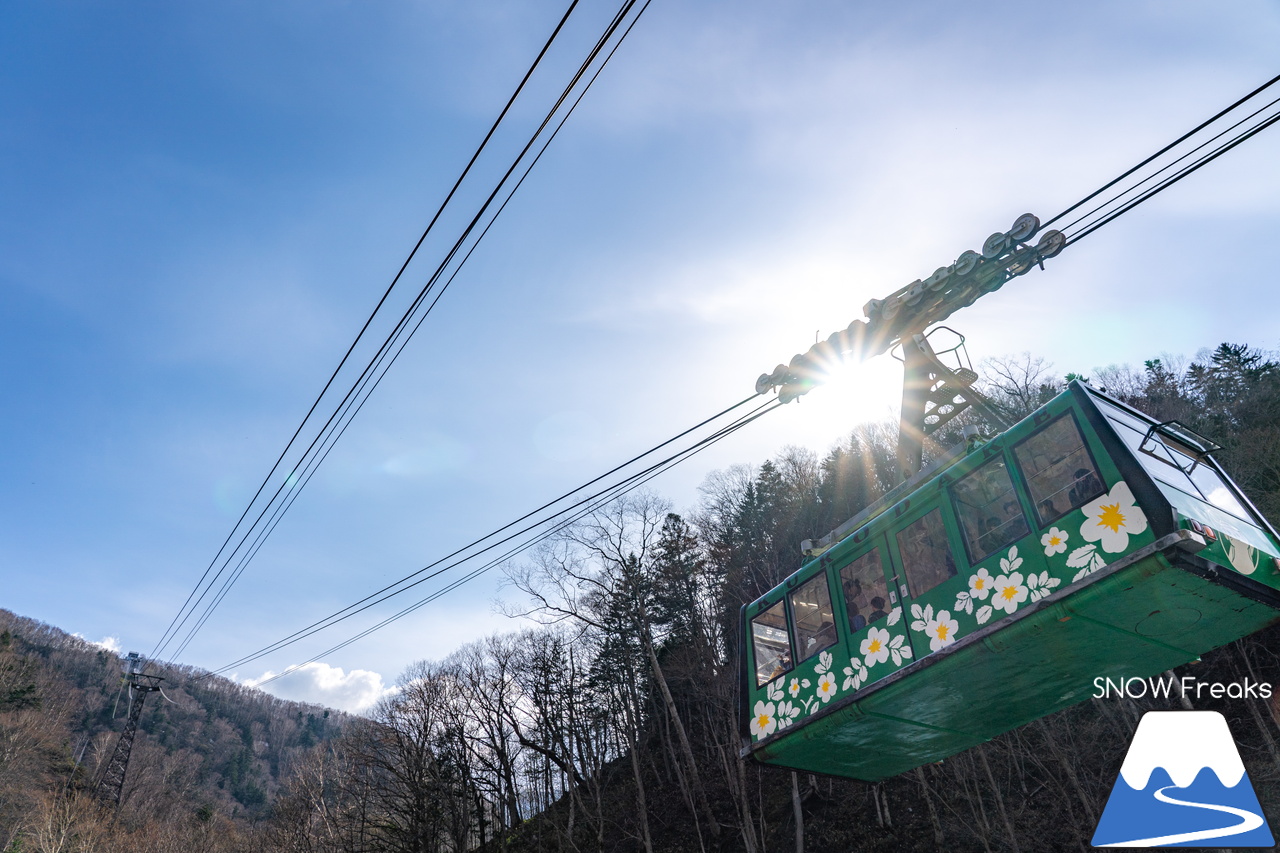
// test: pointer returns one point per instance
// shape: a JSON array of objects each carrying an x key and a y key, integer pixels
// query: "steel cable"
[{"x": 311, "y": 456}]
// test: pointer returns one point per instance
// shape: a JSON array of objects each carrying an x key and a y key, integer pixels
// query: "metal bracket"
[{"x": 1182, "y": 438}]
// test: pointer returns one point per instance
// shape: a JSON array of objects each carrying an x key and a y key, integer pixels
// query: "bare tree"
[
  {"x": 598, "y": 574},
  {"x": 1018, "y": 385}
]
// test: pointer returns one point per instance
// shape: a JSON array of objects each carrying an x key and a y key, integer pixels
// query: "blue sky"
[{"x": 200, "y": 204}]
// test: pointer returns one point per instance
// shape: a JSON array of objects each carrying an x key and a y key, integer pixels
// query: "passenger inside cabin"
[
  {"x": 1047, "y": 509},
  {"x": 856, "y": 620},
  {"x": 784, "y": 665},
  {"x": 1085, "y": 486},
  {"x": 878, "y": 613},
  {"x": 989, "y": 535},
  {"x": 852, "y": 595},
  {"x": 826, "y": 635}
]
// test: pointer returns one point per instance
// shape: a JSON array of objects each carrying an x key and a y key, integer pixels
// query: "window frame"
[
  {"x": 907, "y": 580},
  {"x": 796, "y": 658},
  {"x": 1025, "y": 481},
  {"x": 1170, "y": 474},
  {"x": 970, "y": 549},
  {"x": 878, "y": 548},
  {"x": 791, "y": 652}
]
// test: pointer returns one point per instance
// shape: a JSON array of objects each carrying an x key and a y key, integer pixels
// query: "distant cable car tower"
[{"x": 140, "y": 684}]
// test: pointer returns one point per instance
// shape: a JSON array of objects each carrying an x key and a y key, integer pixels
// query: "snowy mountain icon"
[{"x": 1182, "y": 784}]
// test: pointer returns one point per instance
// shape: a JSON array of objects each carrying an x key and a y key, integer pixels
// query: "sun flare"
[{"x": 853, "y": 394}]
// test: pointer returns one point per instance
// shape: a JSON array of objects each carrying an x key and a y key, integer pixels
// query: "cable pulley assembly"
[{"x": 918, "y": 305}]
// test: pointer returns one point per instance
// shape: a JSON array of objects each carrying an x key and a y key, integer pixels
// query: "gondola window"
[
  {"x": 988, "y": 509},
  {"x": 1060, "y": 473},
  {"x": 865, "y": 594},
  {"x": 772, "y": 642},
  {"x": 925, "y": 555},
  {"x": 814, "y": 617},
  {"x": 1171, "y": 465}
]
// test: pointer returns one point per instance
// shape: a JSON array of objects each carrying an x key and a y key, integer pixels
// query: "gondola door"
[
  {"x": 960, "y": 559},
  {"x": 926, "y": 579},
  {"x": 877, "y": 640}
]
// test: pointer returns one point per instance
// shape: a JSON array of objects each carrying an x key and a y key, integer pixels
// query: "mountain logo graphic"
[{"x": 1182, "y": 784}]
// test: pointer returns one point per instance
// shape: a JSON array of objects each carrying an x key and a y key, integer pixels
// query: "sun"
[{"x": 853, "y": 393}]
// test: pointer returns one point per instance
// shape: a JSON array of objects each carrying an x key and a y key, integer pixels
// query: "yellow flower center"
[
  {"x": 874, "y": 647},
  {"x": 1009, "y": 592},
  {"x": 1112, "y": 517},
  {"x": 979, "y": 583},
  {"x": 1054, "y": 541},
  {"x": 942, "y": 631},
  {"x": 763, "y": 721}
]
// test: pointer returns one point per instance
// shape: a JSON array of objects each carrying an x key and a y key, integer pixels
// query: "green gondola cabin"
[{"x": 1087, "y": 541}]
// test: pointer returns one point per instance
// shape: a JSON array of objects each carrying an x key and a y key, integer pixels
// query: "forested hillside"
[
  {"x": 613, "y": 727},
  {"x": 209, "y": 757}
]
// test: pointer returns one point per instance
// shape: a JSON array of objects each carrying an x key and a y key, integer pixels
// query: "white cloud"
[
  {"x": 355, "y": 691},
  {"x": 109, "y": 644}
]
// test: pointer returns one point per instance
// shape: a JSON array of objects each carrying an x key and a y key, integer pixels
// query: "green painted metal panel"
[{"x": 1025, "y": 669}]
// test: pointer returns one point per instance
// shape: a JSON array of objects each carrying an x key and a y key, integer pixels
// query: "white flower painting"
[
  {"x": 1112, "y": 519},
  {"x": 941, "y": 630},
  {"x": 980, "y": 585},
  {"x": 1009, "y": 592},
  {"x": 764, "y": 721},
  {"x": 1054, "y": 542},
  {"x": 875, "y": 648},
  {"x": 826, "y": 686}
]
